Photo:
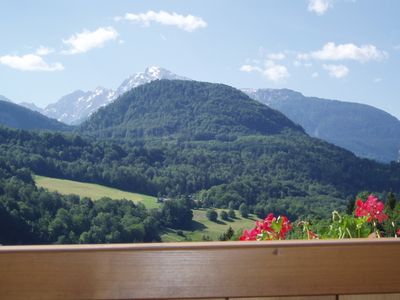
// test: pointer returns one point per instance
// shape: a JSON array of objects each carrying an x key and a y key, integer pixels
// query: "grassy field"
[
  {"x": 93, "y": 191},
  {"x": 204, "y": 227}
]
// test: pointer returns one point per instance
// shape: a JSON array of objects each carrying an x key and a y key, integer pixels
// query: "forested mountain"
[
  {"x": 16, "y": 116},
  {"x": 365, "y": 130},
  {"x": 186, "y": 109},
  {"x": 233, "y": 149}
]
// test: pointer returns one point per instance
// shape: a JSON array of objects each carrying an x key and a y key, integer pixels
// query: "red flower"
[
  {"x": 271, "y": 228},
  {"x": 371, "y": 208},
  {"x": 398, "y": 233},
  {"x": 250, "y": 235}
]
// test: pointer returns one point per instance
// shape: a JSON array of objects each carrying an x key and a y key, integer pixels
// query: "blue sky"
[{"x": 338, "y": 49}]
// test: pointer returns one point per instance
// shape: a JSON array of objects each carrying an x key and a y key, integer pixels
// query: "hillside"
[
  {"x": 185, "y": 109},
  {"x": 16, "y": 116},
  {"x": 365, "y": 130}
]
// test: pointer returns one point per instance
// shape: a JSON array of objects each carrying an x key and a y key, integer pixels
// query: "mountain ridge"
[
  {"x": 17, "y": 116},
  {"x": 363, "y": 129}
]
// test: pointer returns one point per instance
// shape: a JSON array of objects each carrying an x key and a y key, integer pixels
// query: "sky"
[{"x": 337, "y": 49}]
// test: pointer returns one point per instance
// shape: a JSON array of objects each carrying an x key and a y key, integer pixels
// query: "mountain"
[
  {"x": 16, "y": 116},
  {"x": 365, "y": 130},
  {"x": 31, "y": 106},
  {"x": 150, "y": 74},
  {"x": 186, "y": 109},
  {"x": 76, "y": 107},
  {"x": 2, "y": 98},
  {"x": 28, "y": 105}
]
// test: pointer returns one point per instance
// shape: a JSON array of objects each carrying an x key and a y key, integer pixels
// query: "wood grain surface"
[
  {"x": 200, "y": 270},
  {"x": 290, "y": 298},
  {"x": 371, "y": 297}
]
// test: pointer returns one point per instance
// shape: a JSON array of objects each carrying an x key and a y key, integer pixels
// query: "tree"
[
  {"x": 226, "y": 236},
  {"x": 391, "y": 201},
  {"x": 176, "y": 214},
  {"x": 244, "y": 211},
  {"x": 231, "y": 213},
  {"x": 212, "y": 215},
  {"x": 224, "y": 215}
]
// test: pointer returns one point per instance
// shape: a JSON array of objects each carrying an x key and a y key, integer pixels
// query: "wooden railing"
[{"x": 316, "y": 269}]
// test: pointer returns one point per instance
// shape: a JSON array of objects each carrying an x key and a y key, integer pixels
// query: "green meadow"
[{"x": 93, "y": 191}]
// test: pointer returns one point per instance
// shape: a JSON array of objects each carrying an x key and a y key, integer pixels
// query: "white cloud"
[
  {"x": 188, "y": 23},
  {"x": 273, "y": 72},
  {"x": 350, "y": 51},
  {"x": 42, "y": 51},
  {"x": 87, "y": 40},
  {"x": 337, "y": 71},
  {"x": 397, "y": 47},
  {"x": 249, "y": 69},
  {"x": 315, "y": 75},
  {"x": 276, "y": 56},
  {"x": 377, "y": 80},
  {"x": 29, "y": 62},
  {"x": 319, "y": 7}
]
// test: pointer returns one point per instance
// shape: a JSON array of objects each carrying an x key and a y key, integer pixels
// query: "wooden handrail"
[{"x": 200, "y": 270}]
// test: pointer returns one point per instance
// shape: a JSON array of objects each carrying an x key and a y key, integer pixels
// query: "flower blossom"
[
  {"x": 371, "y": 208},
  {"x": 271, "y": 228}
]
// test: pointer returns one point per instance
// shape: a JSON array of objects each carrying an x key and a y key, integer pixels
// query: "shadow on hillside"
[
  {"x": 220, "y": 222},
  {"x": 197, "y": 226}
]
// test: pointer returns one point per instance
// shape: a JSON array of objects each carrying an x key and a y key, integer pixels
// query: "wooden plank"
[
  {"x": 289, "y": 298},
  {"x": 200, "y": 270},
  {"x": 371, "y": 297}
]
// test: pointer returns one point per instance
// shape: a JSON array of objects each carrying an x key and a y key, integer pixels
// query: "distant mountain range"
[
  {"x": 365, "y": 130},
  {"x": 77, "y": 106},
  {"x": 16, "y": 116}
]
